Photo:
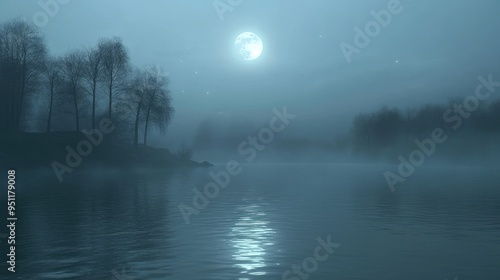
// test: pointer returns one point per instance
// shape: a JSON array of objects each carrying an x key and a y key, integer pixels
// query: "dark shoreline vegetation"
[
  {"x": 43, "y": 150},
  {"x": 52, "y": 108}
]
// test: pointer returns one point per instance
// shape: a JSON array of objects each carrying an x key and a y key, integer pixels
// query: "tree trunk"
[
  {"x": 93, "y": 103},
  {"x": 77, "y": 117},
  {"x": 50, "y": 107},
  {"x": 21, "y": 100},
  {"x": 136, "y": 126},
  {"x": 110, "y": 99},
  {"x": 147, "y": 119},
  {"x": 146, "y": 126}
]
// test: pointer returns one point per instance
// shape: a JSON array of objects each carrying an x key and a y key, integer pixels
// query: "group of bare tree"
[
  {"x": 82, "y": 85},
  {"x": 22, "y": 53},
  {"x": 148, "y": 99}
]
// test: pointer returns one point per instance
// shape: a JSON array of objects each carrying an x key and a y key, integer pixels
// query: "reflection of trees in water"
[{"x": 101, "y": 221}]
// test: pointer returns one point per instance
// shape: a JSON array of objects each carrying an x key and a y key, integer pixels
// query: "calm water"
[{"x": 442, "y": 223}]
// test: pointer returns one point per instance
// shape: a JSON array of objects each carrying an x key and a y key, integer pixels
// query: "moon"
[{"x": 249, "y": 46}]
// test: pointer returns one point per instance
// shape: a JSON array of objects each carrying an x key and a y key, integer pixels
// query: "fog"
[
  {"x": 250, "y": 139},
  {"x": 429, "y": 53}
]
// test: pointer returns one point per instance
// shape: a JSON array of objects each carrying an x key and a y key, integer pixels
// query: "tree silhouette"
[
  {"x": 54, "y": 78},
  {"x": 22, "y": 54},
  {"x": 73, "y": 68},
  {"x": 115, "y": 67},
  {"x": 93, "y": 70},
  {"x": 158, "y": 109}
]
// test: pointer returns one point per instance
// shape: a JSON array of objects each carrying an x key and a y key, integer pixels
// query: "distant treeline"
[
  {"x": 388, "y": 131},
  {"x": 44, "y": 93},
  {"x": 383, "y": 134}
]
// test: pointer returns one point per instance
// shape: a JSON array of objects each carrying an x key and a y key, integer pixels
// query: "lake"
[{"x": 442, "y": 223}]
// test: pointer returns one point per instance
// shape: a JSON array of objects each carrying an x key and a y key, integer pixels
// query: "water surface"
[{"x": 441, "y": 223}]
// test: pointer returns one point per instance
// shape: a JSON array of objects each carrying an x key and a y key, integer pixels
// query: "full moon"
[{"x": 248, "y": 46}]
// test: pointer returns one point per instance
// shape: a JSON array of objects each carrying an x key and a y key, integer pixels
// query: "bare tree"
[
  {"x": 73, "y": 67},
  {"x": 93, "y": 75},
  {"x": 115, "y": 66},
  {"x": 54, "y": 77},
  {"x": 134, "y": 101},
  {"x": 158, "y": 109}
]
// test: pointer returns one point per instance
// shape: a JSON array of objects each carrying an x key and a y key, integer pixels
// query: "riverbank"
[{"x": 68, "y": 150}]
